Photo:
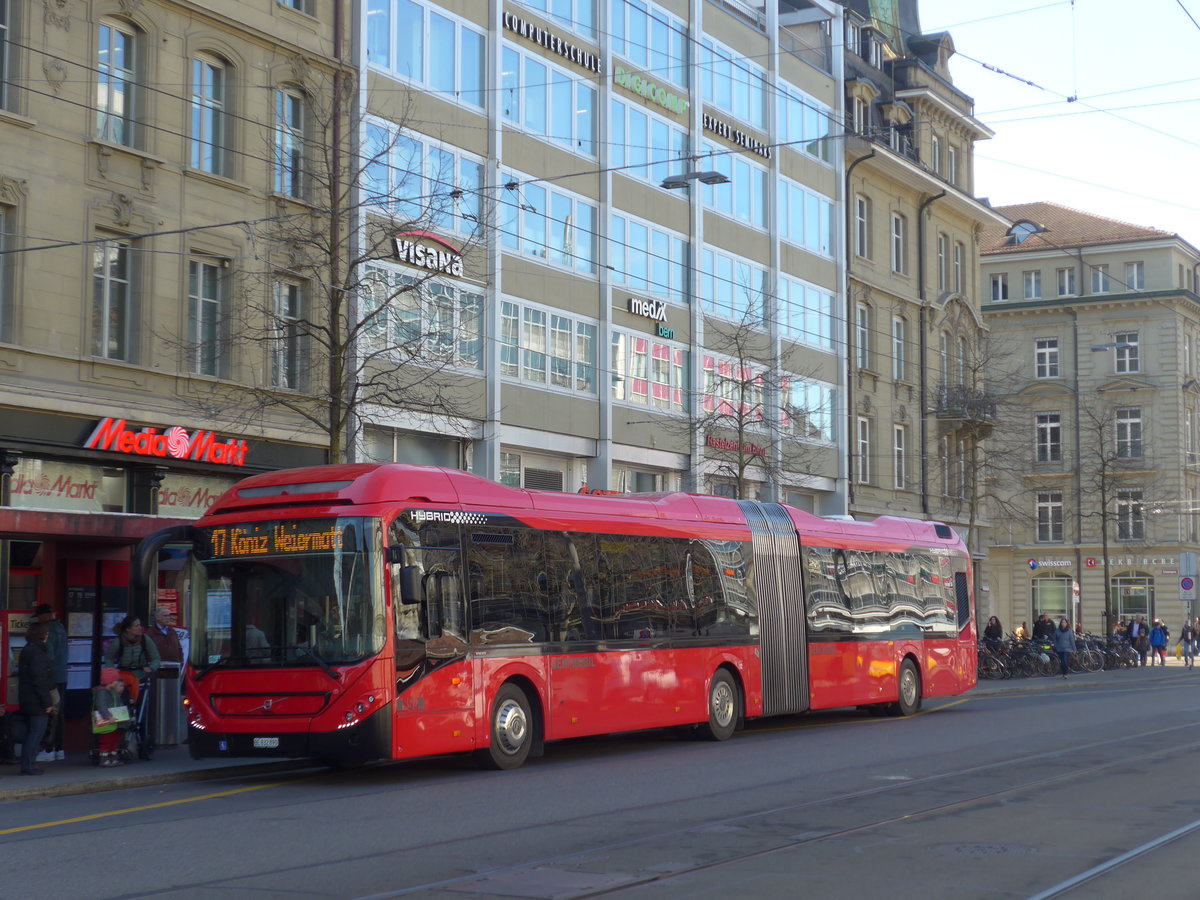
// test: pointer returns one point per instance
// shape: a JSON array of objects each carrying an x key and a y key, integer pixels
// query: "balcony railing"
[{"x": 964, "y": 404}]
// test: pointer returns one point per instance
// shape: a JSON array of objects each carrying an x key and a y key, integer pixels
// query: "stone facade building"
[{"x": 1098, "y": 465}]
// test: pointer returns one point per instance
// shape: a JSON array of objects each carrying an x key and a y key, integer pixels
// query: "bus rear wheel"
[
  {"x": 511, "y": 730},
  {"x": 724, "y": 707},
  {"x": 910, "y": 690}
]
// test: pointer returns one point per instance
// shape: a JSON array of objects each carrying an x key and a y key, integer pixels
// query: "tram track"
[{"x": 491, "y": 881}]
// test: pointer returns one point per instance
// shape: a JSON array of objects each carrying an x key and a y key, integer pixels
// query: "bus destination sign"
[{"x": 275, "y": 538}]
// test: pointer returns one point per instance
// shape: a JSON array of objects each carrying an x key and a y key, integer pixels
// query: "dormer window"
[
  {"x": 875, "y": 51},
  {"x": 1022, "y": 230},
  {"x": 853, "y": 37}
]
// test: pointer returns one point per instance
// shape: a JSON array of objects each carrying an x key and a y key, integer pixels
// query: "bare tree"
[
  {"x": 757, "y": 421},
  {"x": 343, "y": 312}
]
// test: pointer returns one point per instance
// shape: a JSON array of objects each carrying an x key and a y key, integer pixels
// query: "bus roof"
[{"x": 362, "y": 484}]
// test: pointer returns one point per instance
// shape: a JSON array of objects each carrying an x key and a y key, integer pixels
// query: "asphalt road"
[{"x": 1074, "y": 791}]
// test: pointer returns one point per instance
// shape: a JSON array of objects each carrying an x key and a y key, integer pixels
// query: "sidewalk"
[
  {"x": 78, "y": 775},
  {"x": 171, "y": 765}
]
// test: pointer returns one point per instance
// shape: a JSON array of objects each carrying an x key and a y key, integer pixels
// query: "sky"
[{"x": 1127, "y": 146}]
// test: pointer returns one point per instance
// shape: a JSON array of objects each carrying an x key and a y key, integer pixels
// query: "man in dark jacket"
[{"x": 35, "y": 679}]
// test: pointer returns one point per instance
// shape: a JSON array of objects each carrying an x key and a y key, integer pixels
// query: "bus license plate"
[{"x": 266, "y": 743}]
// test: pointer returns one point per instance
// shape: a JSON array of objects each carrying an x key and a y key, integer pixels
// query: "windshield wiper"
[
  {"x": 310, "y": 652},
  {"x": 197, "y": 674}
]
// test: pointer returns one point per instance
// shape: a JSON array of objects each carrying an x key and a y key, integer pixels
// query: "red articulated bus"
[{"x": 359, "y": 612}]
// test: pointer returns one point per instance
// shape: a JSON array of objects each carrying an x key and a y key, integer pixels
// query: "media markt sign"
[{"x": 177, "y": 442}]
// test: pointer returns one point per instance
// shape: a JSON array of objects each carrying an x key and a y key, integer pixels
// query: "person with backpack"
[
  {"x": 1158, "y": 643},
  {"x": 136, "y": 658}
]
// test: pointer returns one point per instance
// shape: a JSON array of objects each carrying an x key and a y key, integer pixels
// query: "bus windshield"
[{"x": 305, "y": 592}]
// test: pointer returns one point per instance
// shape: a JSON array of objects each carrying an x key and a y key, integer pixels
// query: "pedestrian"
[
  {"x": 993, "y": 633},
  {"x": 1187, "y": 637},
  {"x": 1064, "y": 645},
  {"x": 110, "y": 716},
  {"x": 1043, "y": 628},
  {"x": 1139, "y": 637},
  {"x": 1022, "y": 632},
  {"x": 52, "y": 746},
  {"x": 35, "y": 681},
  {"x": 1158, "y": 643},
  {"x": 135, "y": 657}
]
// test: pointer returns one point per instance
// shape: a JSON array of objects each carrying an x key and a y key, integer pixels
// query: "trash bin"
[{"x": 168, "y": 711}]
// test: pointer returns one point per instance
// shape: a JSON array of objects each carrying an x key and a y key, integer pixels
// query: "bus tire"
[
  {"x": 724, "y": 708},
  {"x": 511, "y": 730},
  {"x": 909, "y": 685}
]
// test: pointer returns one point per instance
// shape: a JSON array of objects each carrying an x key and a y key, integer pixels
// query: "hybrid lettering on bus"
[{"x": 390, "y": 611}]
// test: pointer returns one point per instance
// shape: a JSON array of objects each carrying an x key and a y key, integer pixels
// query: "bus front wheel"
[
  {"x": 724, "y": 706},
  {"x": 511, "y": 730}
]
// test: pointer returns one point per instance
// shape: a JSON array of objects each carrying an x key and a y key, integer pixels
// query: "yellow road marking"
[{"x": 136, "y": 809}]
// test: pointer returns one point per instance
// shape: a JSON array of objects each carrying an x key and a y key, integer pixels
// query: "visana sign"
[
  {"x": 448, "y": 261},
  {"x": 200, "y": 445}
]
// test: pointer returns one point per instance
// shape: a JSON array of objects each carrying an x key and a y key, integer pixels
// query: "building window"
[
  {"x": 805, "y": 312},
  {"x": 853, "y": 38},
  {"x": 545, "y": 347},
  {"x": 862, "y": 335},
  {"x": 289, "y": 143},
  {"x": 112, "y": 299},
  {"x": 578, "y": 15},
  {"x": 732, "y": 83},
  {"x": 862, "y": 226},
  {"x": 899, "y": 354},
  {"x": 414, "y": 318},
  {"x": 952, "y": 164},
  {"x": 7, "y": 217},
  {"x": 645, "y": 34},
  {"x": 944, "y": 357},
  {"x": 900, "y": 455},
  {"x": 744, "y": 195},
  {"x": 1046, "y": 359},
  {"x": 1100, "y": 280},
  {"x": 935, "y": 154},
  {"x": 1127, "y": 356},
  {"x": 1000, "y": 286},
  {"x": 555, "y": 227},
  {"x": 1048, "y": 437},
  {"x": 1033, "y": 284},
  {"x": 806, "y": 218},
  {"x": 7, "y": 98},
  {"x": 430, "y": 49},
  {"x": 1128, "y": 427},
  {"x": 804, "y": 122},
  {"x": 1135, "y": 276},
  {"x": 943, "y": 260},
  {"x": 647, "y": 259},
  {"x": 649, "y": 373},
  {"x": 510, "y": 469},
  {"x": 208, "y": 115},
  {"x": 649, "y": 147},
  {"x": 287, "y": 363},
  {"x": 899, "y": 244},
  {"x": 116, "y": 98},
  {"x": 959, "y": 253},
  {"x": 1049, "y": 516},
  {"x": 549, "y": 102},
  {"x": 1131, "y": 522},
  {"x": 206, "y": 309},
  {"x": 731, "y": 287},
  {"x": 864, "y": 451},
  {"x": 1066, "y": 281},
  {"x": 810, "y": 409},
  {"x": 1187, "y": 354},
  {"x": 858, "y": 115}
]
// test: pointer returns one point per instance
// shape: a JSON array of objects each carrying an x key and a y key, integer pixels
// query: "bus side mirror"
[{"x": 410, "y": 585}]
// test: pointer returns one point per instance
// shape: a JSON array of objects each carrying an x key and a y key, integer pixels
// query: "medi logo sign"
[{"x": 199, "y": 445}]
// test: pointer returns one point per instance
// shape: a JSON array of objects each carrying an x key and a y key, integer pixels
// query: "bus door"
[
  {"x": 434, "y": 680},
  {"x": 780, "y": 593}
]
